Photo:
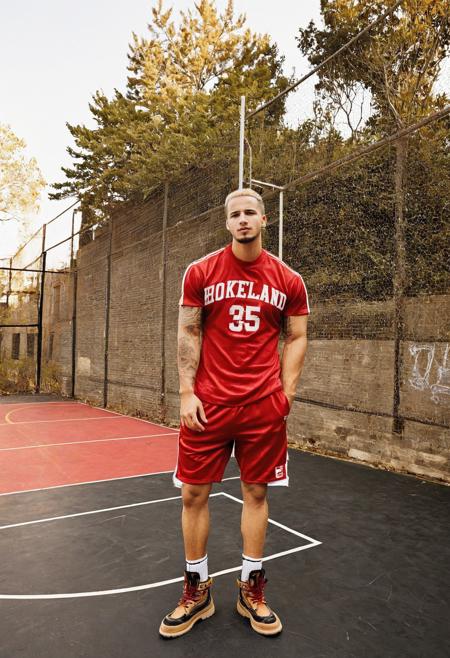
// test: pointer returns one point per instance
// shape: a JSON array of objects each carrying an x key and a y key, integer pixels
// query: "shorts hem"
[
  {"x": 179, "y": 483},
  {"x": 279, "y": 483},
  {"x": 271, "y": 483}
]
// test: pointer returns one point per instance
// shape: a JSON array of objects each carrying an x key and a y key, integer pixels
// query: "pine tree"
[{"x": 181, "y": 106}]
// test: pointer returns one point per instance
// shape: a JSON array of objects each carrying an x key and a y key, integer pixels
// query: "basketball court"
[{"x": 356, "y": 558}]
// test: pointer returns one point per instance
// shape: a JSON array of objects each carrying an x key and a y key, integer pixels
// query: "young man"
[{"x": 233, "y": 304}]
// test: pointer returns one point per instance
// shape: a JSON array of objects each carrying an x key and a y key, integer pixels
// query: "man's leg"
[
  {"x": 196, "y": 602},
  {"x": 255, "y": 514},
  {"x": 261, "y": 452},
  {"x": 195, "y": 519}
]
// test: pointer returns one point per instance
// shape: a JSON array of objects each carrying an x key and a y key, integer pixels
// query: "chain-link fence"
[{"x": 36, "y": 311}]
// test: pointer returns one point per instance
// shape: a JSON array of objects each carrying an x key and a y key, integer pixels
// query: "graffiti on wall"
[{"x": 424, "y": 356}]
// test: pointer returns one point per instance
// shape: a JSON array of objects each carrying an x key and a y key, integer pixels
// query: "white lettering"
[
  {"x": 220, "y": 291},
  {"x": 251, "y": 294},
  {"x": 278, "y": 298},
  {"x": 209, "y": 295},
  {"x": 240, "y": 290},
  {"x": 264, "y": 296},
  {"x": 230, "y": 291},
  {"x": 274, "y": 297},
  {"x": 244, "y": 289}
]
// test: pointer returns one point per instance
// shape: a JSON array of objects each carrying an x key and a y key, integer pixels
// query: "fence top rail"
[
  {"x": 19, "y": 325},
  {"x": 24, "y": 269},
  {"x": 40, "y": 228},
  {"x": 63, "y": 212},
  {"x": 440, "y": 114}
]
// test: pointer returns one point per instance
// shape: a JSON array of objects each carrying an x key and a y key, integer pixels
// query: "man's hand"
[
  {"x": 290, "y": 398},
  {"x": 191, "y": 409}
]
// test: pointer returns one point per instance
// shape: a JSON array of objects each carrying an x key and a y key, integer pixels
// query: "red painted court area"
[{"x": 49, "y": 444}]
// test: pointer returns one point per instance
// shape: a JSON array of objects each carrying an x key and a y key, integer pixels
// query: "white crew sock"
[
  {"x": 249, "y": 564},
  {"x": 199, "y": 566}
]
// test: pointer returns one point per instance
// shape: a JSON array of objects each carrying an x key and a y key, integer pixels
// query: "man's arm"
[
  {"x": 293, "y": 355},
  {"x": 189, "y": 347}
]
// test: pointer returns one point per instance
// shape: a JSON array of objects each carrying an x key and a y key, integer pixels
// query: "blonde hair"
[{"x": 246, "y": 191}]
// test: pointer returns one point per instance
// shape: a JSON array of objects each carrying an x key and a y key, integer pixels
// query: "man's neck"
[{"x": 247, "y": 251}]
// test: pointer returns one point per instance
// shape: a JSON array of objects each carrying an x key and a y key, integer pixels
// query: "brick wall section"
[
  {"x": 56, "y": 329},
  {"x": 358, "y": 374},
  {"x": 134, "y": 371},
  {"x": 57, "y": 321},
  {"x": 25, "y": 314},
  {"x": 91, "y": 309}
]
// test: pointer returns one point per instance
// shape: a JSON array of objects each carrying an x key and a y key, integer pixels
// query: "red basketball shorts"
[{"x": 258, "y": 432}]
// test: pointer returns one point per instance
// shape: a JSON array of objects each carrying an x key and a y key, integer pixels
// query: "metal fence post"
[
  {"x": 280, "y": 226},
  {"x": 73, "y": 269},
  {"x": 107, "y": 314},
  {"x": 8, "y": 292},
  {"x": 241, "y": 144},
  {"x": 400, "y": 270},
  {"x": 163, "y": 303},
  {"x": 40, "y": 313}
]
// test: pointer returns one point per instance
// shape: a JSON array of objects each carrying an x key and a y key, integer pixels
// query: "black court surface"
[{"x": 357, "y": 567}]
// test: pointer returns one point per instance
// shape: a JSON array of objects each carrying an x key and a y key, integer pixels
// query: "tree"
[
  {"x": 20, "y": 178},
  {"x": 398, "y": 62},
  {"x": 181, "y": 106}
]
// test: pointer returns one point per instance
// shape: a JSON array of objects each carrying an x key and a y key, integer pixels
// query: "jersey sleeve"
[
  {"x": 297, "y": 301},
  {"x": 192, "y": 287}
]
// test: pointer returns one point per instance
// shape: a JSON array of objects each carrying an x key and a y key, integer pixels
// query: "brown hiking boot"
[
  {"x": 252, "y": 604},
  {"x": 195, "y": 604}
]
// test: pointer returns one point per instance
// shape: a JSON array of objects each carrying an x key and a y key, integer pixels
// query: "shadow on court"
[{"x": 377, "y": 584}]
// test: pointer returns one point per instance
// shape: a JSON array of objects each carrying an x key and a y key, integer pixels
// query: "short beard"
[{"x": 245, "y": 240}]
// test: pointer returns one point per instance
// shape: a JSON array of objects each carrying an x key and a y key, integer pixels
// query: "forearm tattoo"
[{"x": 189, "y": 343}]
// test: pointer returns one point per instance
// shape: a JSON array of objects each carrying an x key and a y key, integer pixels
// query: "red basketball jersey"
[{"x": 243, "y": 306}]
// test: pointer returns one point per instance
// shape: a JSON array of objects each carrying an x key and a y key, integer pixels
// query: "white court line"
[
  {"x": 117, "y": 413},
  {"x": 12, "y": 404},
  {"x": 280, "y": 525},
  {"x": 91, "y": 406},
  {"x": 72, "y": 443},
  {"x": 57, "y": 420},
  {"x": 72, "y": 595},
  {"x": 94, "y": 511},
  {"x": 78, "y": 484}
]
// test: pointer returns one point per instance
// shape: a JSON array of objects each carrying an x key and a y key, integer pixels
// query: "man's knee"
[
  {"x": 195, "y": 495},
  {"x": 254, "y": 494}
]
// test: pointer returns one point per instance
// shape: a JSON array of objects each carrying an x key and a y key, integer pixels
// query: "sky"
[{"x": 55, "y": 54}]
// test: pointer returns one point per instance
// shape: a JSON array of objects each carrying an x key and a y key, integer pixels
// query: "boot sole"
[
  {"x": 258, "y": 626},
  {"x": 176, "y": 631}
]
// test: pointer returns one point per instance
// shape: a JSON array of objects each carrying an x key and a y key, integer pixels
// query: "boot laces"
[
  {"x": 191, "y": 594},
  {"x": 255, "y": 590}
]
